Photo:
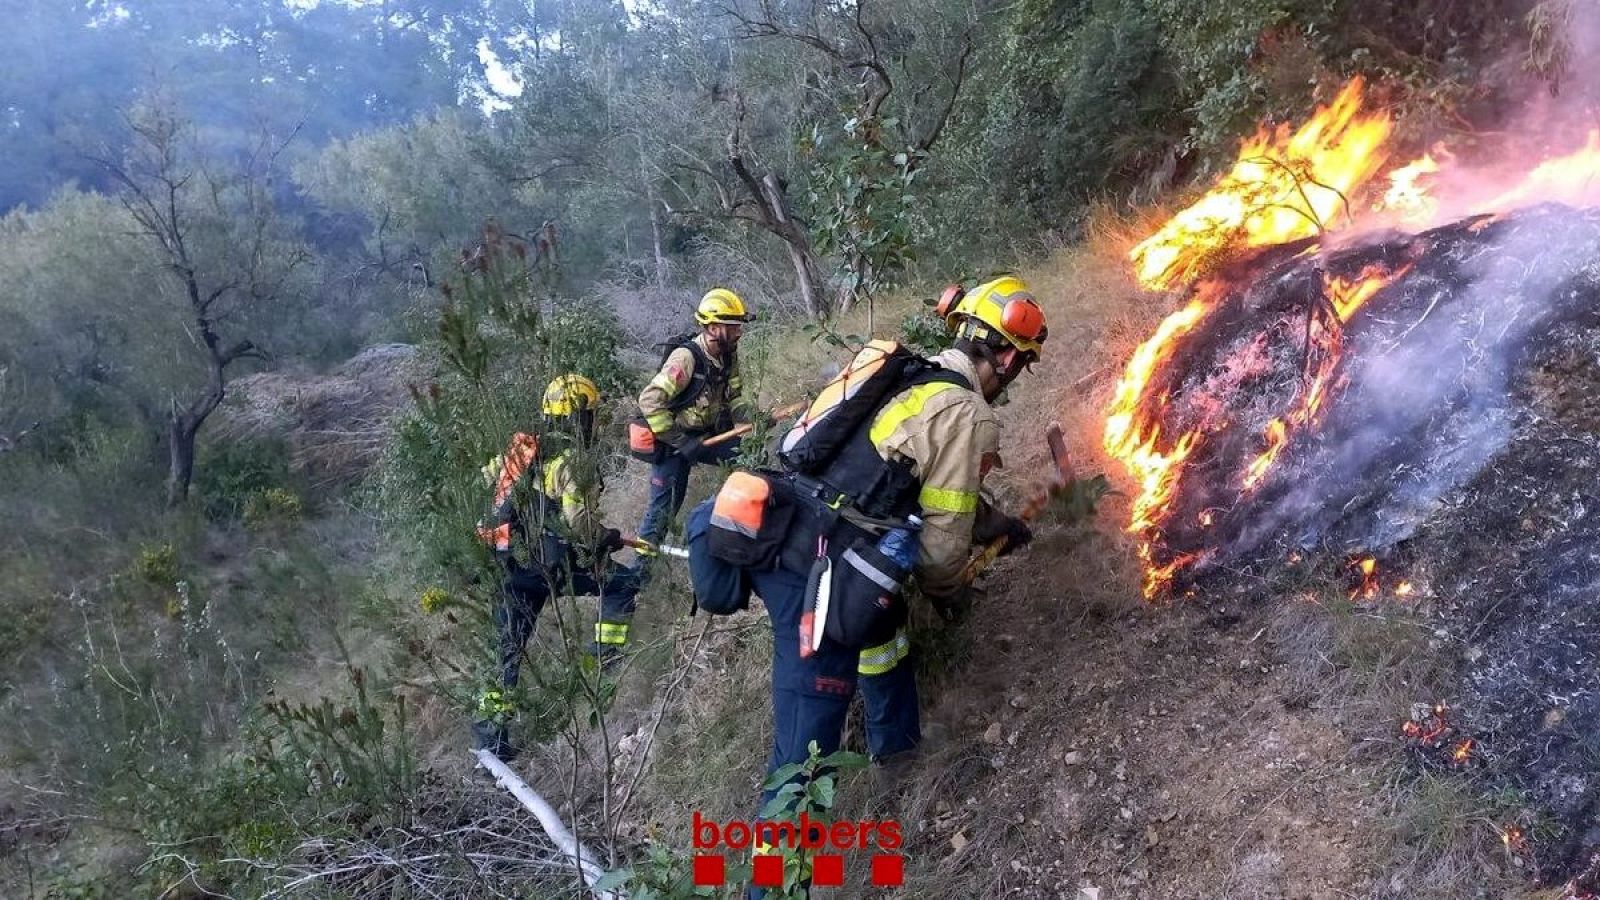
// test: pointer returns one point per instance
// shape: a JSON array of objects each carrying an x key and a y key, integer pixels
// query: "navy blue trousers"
[
  {"x": 669, "y": 479},
  {"x": 523, "y": 595},
  {"x": 810, "y": 696}
]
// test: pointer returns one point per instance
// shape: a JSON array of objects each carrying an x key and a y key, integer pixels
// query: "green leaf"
[
  {"x": 821, "y": 792},
  {"x": 614, "y": 879},
  {"x": 781, "y": 776}
]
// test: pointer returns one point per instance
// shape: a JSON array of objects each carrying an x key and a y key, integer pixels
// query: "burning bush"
[{"x": 1375, "y": 393}]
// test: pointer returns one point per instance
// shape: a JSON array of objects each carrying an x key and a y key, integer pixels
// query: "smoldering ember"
[{"x": 1448, "y": 437}]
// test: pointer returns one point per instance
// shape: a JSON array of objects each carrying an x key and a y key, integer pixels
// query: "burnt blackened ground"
[{"x": 1461, "y": 440}]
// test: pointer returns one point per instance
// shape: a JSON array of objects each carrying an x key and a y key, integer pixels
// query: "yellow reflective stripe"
[
  {"x": 946, "y": 500},
  {"x": 884, "y": 657},
  {"x": 665, "y": 382},
  {"x": 552, "y": 475},
  {"x": 611, "y": 632},
  {"x": 910, "y": 404},
  {"x": 659, "y": 421}
]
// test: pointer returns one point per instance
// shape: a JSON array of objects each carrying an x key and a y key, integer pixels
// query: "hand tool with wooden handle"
[
  {"x": 742, "y": 430},
  {"x": 1060, "y": 477},
  {"x": 649, "y": 549}
]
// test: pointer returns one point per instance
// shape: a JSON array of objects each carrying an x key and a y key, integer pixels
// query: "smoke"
[
  {"x": 1425, "y": 393},
  {"x": 1544, "y": 145}
]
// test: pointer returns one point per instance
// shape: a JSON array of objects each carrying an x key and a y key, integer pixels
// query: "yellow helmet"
[
  {"x": 568, "y": 394},
  {"x": 1003, "y": 306},
  {"x": 721, "y": 306}
]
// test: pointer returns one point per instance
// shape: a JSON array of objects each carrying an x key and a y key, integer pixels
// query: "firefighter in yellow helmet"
[
  {"x": 546, "y": 535},
  {"x": 690, "y": 399},
  {"x": 924, "y": 452}
]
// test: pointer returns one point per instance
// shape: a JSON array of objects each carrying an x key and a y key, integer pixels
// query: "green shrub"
[
  {"x": 157, "y": 564},
  {"x": 229, "y": 473},
  {"x": 273, "y": 506},
  {"x": 925, "y": 332}
]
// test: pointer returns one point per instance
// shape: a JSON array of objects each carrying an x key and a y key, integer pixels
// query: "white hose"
[{"x": 552, "y": 824}]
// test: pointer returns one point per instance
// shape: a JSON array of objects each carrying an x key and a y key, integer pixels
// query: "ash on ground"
[{"x": 1461, "y": 427}]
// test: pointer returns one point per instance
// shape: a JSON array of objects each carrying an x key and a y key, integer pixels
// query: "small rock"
[
  {"x": 1019, "y": 701},
  {"x": 1126, "y": 814},
  {"x": 958, "y": 841},
  {"x": 1073, "y": 758},
  {"x": 1088, "y": 893},
  {"x": 991, "y": 735},
  {"x": 1151, "y": 836}
]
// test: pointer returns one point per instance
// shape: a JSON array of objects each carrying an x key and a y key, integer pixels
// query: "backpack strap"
[
  {"x": 877, "y": 487},
  {"x": 697, "y": 379}
]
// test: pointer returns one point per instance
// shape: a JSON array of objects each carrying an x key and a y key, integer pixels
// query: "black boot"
[{"x": 493, "y": 738}]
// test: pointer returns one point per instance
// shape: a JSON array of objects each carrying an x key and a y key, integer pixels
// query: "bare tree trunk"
[
  {"x": 797, "y": 240},
  {"x": 655, "y": 245},
  {"x": 804, "y": 279},
  {"x": 180, "y": 458}
]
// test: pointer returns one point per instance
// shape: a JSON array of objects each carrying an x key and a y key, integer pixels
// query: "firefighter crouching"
[
  {"x": 918, "y": 453},
  {"x": 546, "y": 535},
  {"x": 690, "y": 399}
]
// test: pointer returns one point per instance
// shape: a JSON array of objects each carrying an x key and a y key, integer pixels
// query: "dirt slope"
[{"x": 1081, "y": 738}]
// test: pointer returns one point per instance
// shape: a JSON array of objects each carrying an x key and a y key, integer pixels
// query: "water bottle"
[{"x": 900, "y": 544}]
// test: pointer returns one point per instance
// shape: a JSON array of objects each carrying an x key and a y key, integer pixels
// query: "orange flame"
[
  {"x": 1346, "y": 296},
  {"x": 1133, "y": 433},
  {"x": 1430, "y": 732},
  {"x": 1409, "y": 196},
  {"x": 1572, "y": 178},
  {"x": 1403, "y": 589},
  {"x": 1462, "y": 751},
  {"x": 1368, "y": 567},
  {"x": 1282, "y": 188}
]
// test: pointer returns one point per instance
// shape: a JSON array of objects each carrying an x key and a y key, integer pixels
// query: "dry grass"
[{"x": 336, "y": 425}]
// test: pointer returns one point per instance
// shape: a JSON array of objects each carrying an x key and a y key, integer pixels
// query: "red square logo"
[
  {"x": 888, "y": 870},
  {"x": 767, "y": 870},
  {"x": 827, "y": 871},
  {"x": 710, "y": 871}
]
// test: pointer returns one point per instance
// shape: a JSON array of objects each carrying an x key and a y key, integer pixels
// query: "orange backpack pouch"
[
  {"x": 641, "y": 441},
  {"x": 749, "y": 520},
  {"x": 742, "y": 503}
]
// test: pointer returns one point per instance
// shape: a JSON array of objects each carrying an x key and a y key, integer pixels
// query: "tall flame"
[
  {"x": 1283, "y": 187},
  {"x": 1133, "y": 433}
]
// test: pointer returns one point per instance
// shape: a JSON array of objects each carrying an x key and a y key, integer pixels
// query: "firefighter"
[
  {"x": 690, "y": 399},
  {"x": 545, "y": 512},
  {"x": 945, "y": 435}
]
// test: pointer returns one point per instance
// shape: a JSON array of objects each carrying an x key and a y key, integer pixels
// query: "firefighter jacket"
[
  {"x": 662, "y": 404},
  {"x": 561, "y": 504},
  {"x": 950, "y": 437},
  {"x": 578, "y": 513}
]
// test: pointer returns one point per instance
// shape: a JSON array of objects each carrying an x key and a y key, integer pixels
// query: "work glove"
[
  {"x": 1017, "y": 534},
  {"x": 955, "y": 605},
  {"x": 692, "y": 449},
  {"x": 610, "y": 539},
  {"x": 996, "y": 525}
]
